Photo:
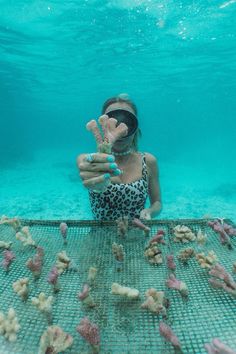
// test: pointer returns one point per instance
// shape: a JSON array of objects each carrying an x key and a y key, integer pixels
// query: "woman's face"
[{"x": 125, "y": 143}]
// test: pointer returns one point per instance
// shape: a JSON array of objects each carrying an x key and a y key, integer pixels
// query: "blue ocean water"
[{"x": 60, "y": 60}]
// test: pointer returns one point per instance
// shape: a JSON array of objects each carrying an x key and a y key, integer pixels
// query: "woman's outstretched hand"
[{"x": 96, "y": 170}]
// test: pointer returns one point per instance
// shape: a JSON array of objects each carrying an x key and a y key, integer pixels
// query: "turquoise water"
[{"x": 61, "y": 59}]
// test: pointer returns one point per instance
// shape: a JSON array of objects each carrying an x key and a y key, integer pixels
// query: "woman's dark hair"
[{"x": 124, "y": 98}]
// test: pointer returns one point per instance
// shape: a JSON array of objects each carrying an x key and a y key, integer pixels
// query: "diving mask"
[{"x": 123, "y": 116}]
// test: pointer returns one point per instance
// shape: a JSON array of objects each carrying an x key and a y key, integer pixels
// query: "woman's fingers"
[
  {"x": 95, "y": 181},
  {"x": 89, "y": 174},
  {"x": 97, "y": 167},
  {"x": 99, "y": 157}
]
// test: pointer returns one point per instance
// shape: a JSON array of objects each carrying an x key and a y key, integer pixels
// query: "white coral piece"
[
  {"x": 153, "y": 254},
  {"x": 9, "y": 325},
  {"x": 118, "y": 251},
  {"x": 25, "y": 237},
  {"x": 183, "y": 234},
  {"x": 43, "y": 303},
  {"x": 55, "y": 339},
  {"x": 62, "y": 262},
  {"x": 5, "y": 245},
  {"x": 92, "y": 273},
  {"x": 14, "y": 222},
  {"x": 21, "y": 288},
  {"x": 208, "y": 260},
  {"x": 117, "y": 289},
  {"x": 155, "y": 301},
  {"x": 201, "y": 237}
]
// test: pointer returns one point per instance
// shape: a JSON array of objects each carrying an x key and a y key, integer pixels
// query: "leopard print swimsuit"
[{"x": 121, "y": 199}]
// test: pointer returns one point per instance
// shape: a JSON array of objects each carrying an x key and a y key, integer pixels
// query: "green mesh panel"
[{"x": 124, "y": 327}]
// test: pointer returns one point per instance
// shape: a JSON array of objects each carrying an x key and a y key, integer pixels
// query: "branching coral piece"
[
  {"x": 122, "y": 226},
  {"x": 138, "y": 223},
  {"x": 92, "y": 126},
  {"x": 21, "y": 287},
  {"x": 153, "y": 254},
  {"x": 158, "y": 238},
  {"x": 9, "y": 325},
  {"x": 117, "y": 289},
  {"x": 170, "y": 262},
  {"x": 185, "y": 255},
  {"x": 218, "y": 347},
  {"x": 201, "y": 237},
  {"x": 44, "y": 305},
  {"x": 63, "y": 262},
  {"x": 169, "y": 335},
  {"x": 111, "y": 132},
  {"x": 53, "y": 279},
  {"x": 35, "y": 264},
  {"x": 119, "y": 254},
  {"x": 224, "y": 230},
  {"x": 174, "y": 283},
  {"x": 230, "y": 230},
  {"x": 7, "y": 260},
  {"x": 25, "y": 237},
  {"x": 85, "y": 297},
  {"x": 155, "y": 302},
  {"x": 92, "y": 273},
  {"x": 14, "y": 222},
  {"x": 90, "y": 332},
  {"x": 221, "y": 279},
  {"x": 206, "y": 261},
  {"x": 5, "y": 245},
  {"x": 64, "y": 230},
  {"x": 183, "y": 234},
  {"x": 54, "y": 341}
]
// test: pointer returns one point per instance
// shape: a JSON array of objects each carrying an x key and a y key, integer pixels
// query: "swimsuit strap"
[{"x": 144, "y": 167}]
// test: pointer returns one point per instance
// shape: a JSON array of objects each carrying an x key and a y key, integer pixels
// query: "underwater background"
[{"x": 60, "y": 60}]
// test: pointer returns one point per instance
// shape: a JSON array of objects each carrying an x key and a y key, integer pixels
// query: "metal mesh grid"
[{"x": 124, "y": 327}]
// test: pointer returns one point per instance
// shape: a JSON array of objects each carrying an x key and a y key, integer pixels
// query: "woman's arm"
[{"x": 153, "y": 188}]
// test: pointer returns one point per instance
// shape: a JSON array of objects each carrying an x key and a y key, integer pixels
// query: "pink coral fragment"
[
  {"x": 53, "y": 276},
  {"x": 176, "y": 284},
  {"x": 35, "y": 264},
  {"x": 221, "y": 279},
  {"x": 170, "y": 262},
  {"x": 64, "y": 230},
  {"x": 169, "y": 335},
  {"x": 84, "y": 293},
  {"x": 158, "y": 237},
  {"x": 89, "y": 331},
  {"x": 218, "y": 347},
  {"x": 7, "y": 260},
  {"x": 224, "y": 230}
]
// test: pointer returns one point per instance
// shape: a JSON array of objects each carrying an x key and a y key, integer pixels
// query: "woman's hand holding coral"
[{"x": 96, "y": 170}]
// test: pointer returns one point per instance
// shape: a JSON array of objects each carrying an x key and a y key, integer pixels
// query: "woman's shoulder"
[
  {"x": 150, "y": 158},
  {"x": 151, "y": 163}
]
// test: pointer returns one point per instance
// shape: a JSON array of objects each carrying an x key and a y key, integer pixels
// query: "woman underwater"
[{"x": 132, "y": 175}]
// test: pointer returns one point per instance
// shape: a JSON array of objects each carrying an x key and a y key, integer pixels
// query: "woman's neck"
[{"x": 123, "y": 152}]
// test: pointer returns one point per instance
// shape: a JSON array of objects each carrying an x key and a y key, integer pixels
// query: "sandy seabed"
[{"x": 49, "y": 187}]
